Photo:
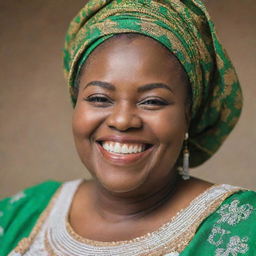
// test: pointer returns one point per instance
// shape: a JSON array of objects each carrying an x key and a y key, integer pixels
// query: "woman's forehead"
[
  {"x": 134, "y": 43},
  {"x": 129, "y": 65},
  {"x": 138, "y": 56}
]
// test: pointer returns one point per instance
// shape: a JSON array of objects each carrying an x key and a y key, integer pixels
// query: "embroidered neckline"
[
  {"x": 79, "y": 238},
  {"x": 173, "y": 236}
]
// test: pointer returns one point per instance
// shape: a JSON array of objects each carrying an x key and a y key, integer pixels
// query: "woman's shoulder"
[
  {"x": 239, "y": 209},
  {"x": 243, "y": 196},
  {"x": 19, "y": 213},
  {"x": 230, "y": 228},
  {"x": 40, "y": 192}
]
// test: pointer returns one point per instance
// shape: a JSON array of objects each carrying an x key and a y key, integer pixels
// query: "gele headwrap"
[{"x": 185, "y": 28}]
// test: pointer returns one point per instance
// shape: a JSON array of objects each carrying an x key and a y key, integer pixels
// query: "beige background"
[{"x": 35, "y": 130}]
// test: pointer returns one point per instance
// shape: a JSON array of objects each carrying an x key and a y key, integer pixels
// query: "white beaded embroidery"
[
  {"x": 232, "y": 214},
  {"x": 57, "y": 233},
  {"x": 54, "y": 233},
  {"x": 15, "y": 254},
  {"x": 216, "y": 236},
  {"x": 236, "y": 245}
]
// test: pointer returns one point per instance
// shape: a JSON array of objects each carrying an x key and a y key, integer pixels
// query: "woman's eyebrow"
[
  {"x": 143, "y": 88},
  {"x": 104, "y": 85},
  {"x": 151, "y": 86}
]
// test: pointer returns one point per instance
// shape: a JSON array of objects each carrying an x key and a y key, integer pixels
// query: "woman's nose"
[{"x": 124, "y": 117}]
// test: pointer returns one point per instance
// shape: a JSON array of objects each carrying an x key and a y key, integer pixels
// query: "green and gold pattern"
[{"x": 185, "y": 28}]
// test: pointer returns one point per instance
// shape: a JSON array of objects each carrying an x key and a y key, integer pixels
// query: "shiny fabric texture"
[{"x": 186, "y": 29}]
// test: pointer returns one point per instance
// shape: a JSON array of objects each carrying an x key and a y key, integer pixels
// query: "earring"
[{"x": 185, "y": 170}]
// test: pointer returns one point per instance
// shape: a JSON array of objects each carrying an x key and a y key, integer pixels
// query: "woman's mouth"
[
  {"x": 123, "y": 153},
  {"x": 123, "y": 148}
]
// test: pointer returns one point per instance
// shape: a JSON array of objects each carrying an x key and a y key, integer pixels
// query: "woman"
[{"x": 151, "y": 87}]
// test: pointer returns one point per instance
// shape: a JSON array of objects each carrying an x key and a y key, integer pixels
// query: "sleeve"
[
  {"x": 19, "y": 213},
  {"x": 230, "y": 230}
]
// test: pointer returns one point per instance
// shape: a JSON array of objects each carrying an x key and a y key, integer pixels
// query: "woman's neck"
[
  {"x": 98, "y": 215},
  {"x": 115, "y": 207}
]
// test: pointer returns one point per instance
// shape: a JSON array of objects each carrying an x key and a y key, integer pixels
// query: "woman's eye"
[
  {"x": 155, "y": 102},
  {"x": 99, "y": 100}
]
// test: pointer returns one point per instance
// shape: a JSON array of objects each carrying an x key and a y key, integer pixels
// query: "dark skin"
[{"x": 116, "y": 99}]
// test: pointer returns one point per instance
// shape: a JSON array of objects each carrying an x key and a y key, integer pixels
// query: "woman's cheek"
[
  {"x": 83, "y": 125},
  {"x": 168, "y": 124},
  {"x": 85, "y": 121}
]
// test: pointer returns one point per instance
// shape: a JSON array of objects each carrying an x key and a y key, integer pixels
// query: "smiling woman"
[
  {"x": 142, "y": 103},
  {"x": 151, "y": 85}
]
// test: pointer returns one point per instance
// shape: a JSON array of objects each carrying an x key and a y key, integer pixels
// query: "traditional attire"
[
  {"x": 185, "y": 28},
  {"x": 219, "y": 222},
  {"x": 222, "y": 220}
]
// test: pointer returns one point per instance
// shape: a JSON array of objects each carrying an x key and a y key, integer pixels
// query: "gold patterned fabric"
[{"x": 186, "y": 29}]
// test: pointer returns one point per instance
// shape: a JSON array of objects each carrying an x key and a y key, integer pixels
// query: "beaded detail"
[
  {"x": 235, "y": 246},
  {"x": 55, "y": 235},
  {"x": 233, "y": 214},
  {"x": 216, "y": 236},
  {"x": 230, "y": 215}
]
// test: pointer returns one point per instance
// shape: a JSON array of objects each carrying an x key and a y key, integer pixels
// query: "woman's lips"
[
  {"x": 123, "y": 159},
  {"x": 123, "y": 148}
]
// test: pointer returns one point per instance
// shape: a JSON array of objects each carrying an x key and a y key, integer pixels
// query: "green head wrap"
[{"x": 185, "y": 28}]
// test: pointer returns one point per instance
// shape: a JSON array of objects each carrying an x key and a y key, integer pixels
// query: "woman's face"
[{"x": 130, "y": 118}]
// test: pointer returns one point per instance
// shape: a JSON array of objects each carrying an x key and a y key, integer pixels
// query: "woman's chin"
[{"x": 121, "y": 183}]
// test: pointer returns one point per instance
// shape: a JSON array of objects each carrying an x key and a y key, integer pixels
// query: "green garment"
[
  {"x": 229, "y": 231},
  {"x": 18, "y": 214},
  {"x": 186, "y": 29}
]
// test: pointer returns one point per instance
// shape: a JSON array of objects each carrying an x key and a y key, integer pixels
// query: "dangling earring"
[{"x": 185, "y": 170}]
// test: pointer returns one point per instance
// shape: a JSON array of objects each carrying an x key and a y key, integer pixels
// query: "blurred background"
[{"x": 36, "y": 142}]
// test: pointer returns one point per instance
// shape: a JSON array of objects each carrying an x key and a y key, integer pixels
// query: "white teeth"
[
  {"x": 136, "y": 149},
  {"x": 130, "y": 149},
  {"x": 111, "y": 148},
  {"x": 117, "y": 147},
  {"x": 124, "y": 149},
  {"x": 106, "y": 146}
]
